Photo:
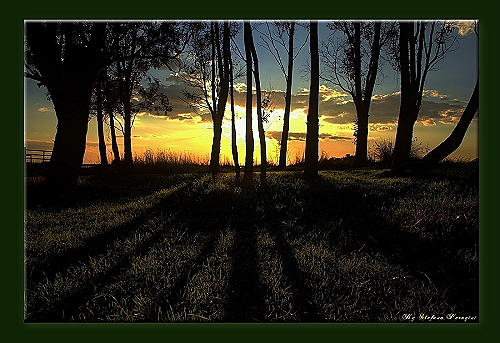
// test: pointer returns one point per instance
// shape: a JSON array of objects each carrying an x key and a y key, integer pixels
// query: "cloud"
[
  {"x": 335, "y": 107},
  {"x": 44, "y": 109},
  {"x": 301, "y": 136},
  {"x": 329, "y": 136},
  {"x": 292, "y": 136},
  {"x": 384, "y": 110},
  {"x": 380, "y": 127},
  {"x": 432, "y": 93},
  {"x": 465, "y": 26}
]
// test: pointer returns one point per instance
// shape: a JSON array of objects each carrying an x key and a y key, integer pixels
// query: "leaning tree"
[
  {"x": 452, "y": 142},
  {"x": 421, "y": 46}
]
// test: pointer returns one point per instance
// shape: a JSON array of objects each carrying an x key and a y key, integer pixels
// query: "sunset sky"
[{"x": 183, "y": 131}]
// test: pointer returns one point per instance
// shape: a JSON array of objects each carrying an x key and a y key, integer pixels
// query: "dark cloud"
[
  {"x": 335, "y": 107},
  {"x": 385, "y": 110},
  {"x": 181, "y": 110},
  {"x": 301, "y": 136},
  {"x": 329, "y": 136},
  {"x": 292, "y": 136}
]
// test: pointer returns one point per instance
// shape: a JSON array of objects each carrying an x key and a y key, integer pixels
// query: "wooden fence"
[{"x": 37, "y": 156}]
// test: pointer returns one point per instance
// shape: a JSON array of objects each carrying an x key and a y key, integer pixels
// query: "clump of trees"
[{"x": 103, "y": 69}]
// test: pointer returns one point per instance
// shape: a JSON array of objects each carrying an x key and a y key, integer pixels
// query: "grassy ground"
[{"x": 352, "y": 247}]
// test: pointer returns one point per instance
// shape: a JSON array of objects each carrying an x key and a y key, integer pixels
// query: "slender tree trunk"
[
  {"x": 127, "y": 134},
  {"x": 288, "y": 102},
  {"x": 125, "y": 90},
  {"x": 100, "y": 123},
  {"x": 216, "y": 137},
  {"x": 361, "y": 109},
  {"x": 312, "y": 135},
  {"x": 249, "y": 131},
  {"x": 260, "y": 120},
  {"x": 114, "y": 142},
  {"x": 216, "y": 142},
  {"x": 234, "y": 143},
  {"x": 223, "y": 67}
]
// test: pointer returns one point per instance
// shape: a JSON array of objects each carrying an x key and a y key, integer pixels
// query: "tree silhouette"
[
  {"x": 100, "y": 120},
  {"x": 352, "y": 65},
  {"x": 66, "y": 57},
  {"x": 421, "y": 46},
  {"x": 234, "y": 145},
  {"x": 112, "y": 104},
  {"x": 260, "y": 119},
  {"x": 224, "y": 78},
  {"x": 312, "y": 135},
  {"x": 249, "y": 142},
  {"x": 136, "y": 54},
  {"x": 449, "y": 145},
  {"x": 274, "y": 37},
  {"x": 206, "y": 72}
]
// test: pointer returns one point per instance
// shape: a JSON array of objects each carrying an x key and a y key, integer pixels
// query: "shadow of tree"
[{"x": 350, "y": 217}]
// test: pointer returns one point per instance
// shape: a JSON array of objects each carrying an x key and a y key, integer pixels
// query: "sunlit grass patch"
[
  {"x": 49, "y": 231},
  {"x": 279, "y": 298},
  {"x": 205, "y": 294}
]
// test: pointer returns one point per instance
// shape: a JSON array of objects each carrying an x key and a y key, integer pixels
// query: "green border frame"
[{"x": 11, "y": 311}]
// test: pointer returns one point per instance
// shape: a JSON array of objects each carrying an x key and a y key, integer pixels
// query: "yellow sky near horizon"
[
  {"x": 194, "y": 137},
  {"x": 188, "y": 133}
]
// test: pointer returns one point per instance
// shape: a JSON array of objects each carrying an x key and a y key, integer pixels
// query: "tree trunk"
[
  {"x": 404, "y": 137},
  {"x": 288, "y": 102},
  {"x": 114, "y": 142},
  {"x": 312, "y": 135},
  {"x": 260, "y": 120},
  {"x": 234, "y": 143},
  {"x": 69, "y": 145},
  {"x": 69, "y": 82},
  {"x": 249, "y": 131},
  {"x": 361, "y": 156},
  {"x": 127, "y": 134},
  {"x": 100, "y": 124},
  {"x": 410, "y": 97},
  {"x": 223, "y": 67},
  {"x": 216, "y": 142},
  {"x": 363, "y": 104}
]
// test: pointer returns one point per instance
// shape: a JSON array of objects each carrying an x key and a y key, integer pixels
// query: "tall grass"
[{"x": 167, "y": 158}]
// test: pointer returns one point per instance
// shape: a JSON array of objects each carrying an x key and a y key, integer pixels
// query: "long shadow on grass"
[
  {"x": 306, "y": 308},
  {"x": 63, "y": 308},
  {"x": 47, "y": 266},
  {"x": 164, "y": 297},
  {"x": 245, "y": 302},
  {"x": 431, "y": 261}
]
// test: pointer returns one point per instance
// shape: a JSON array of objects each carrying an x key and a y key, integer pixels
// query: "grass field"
[{"x": 352, "y": 247}]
